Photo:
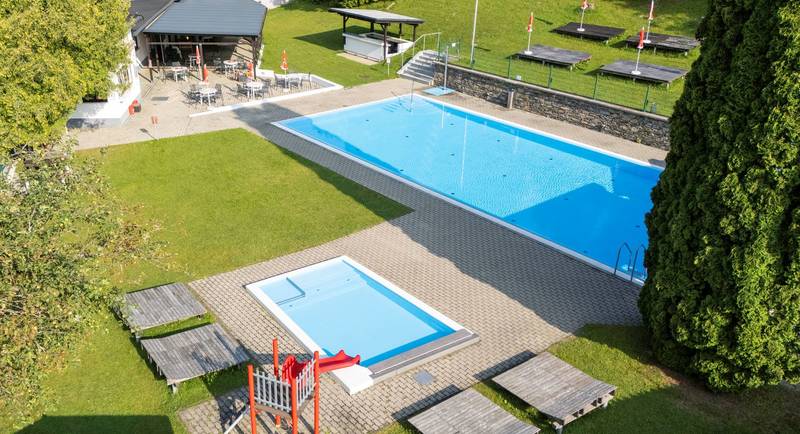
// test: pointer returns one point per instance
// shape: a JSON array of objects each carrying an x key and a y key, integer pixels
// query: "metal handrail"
[
  {"x": 424, "y": 39},
  {"x": 635, "y": 257},
  {"x": 619, "y": 252}
]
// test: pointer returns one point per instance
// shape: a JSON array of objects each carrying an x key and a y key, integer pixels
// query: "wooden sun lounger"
[
  {"x": 469, "y": 412},
  {"x": 193, "y": 353},
  {"x": 557, "y": 389},
  {"x": 159, "y": 306}
]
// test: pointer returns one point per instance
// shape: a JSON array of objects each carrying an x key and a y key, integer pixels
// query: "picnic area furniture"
[
  {"x": 159, "y": 305},
  {"x": 253, "y": 87},
  {"x": 555, "y": 388},
  {"x": 590, "y": 31},
  {"x": 666, "y": 42},
  {"x": 207, "y": 92},
  {"x": 179, "y": 72},
  {"x": 647, "y": 71},
  {"x": 554, "y": 55},
  {"x": 469, "y": 412},
  {"x": 193, "y": 353}
]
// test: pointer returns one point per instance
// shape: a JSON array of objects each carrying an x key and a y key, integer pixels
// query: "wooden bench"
[
  {"x": 557, "y": 389},
  {"x": 469, "y": 412}
]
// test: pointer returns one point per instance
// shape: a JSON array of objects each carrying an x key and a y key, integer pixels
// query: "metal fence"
[{"x": 652, "y": 98}]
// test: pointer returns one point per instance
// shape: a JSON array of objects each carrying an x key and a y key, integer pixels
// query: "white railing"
[
  {"x": 270, "y": 391},
  {"x": 427, "y": 42}
]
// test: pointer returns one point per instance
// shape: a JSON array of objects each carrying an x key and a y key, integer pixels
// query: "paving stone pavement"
[{"x": 520, "y": 296}]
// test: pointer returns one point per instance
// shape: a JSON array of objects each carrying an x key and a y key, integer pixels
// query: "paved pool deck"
[{"x": 519, "y": 295}]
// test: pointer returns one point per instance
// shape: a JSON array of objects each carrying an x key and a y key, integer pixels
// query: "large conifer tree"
[{"x": 722, "y": 299}]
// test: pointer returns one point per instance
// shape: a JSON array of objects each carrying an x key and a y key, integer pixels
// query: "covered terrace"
[{"x": 364, "y": 45}]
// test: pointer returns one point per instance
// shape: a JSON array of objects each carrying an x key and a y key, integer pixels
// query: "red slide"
[
  {"x": 292, "y": 368},
  {"x": 339, "y": 361}
]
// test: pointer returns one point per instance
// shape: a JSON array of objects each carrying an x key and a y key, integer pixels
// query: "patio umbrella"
[
  {"x": 250, "y": 70},
  {"x": 639, "y": 54},
  {"x": 584, "y": 6},
  {"x": 205, "y": 73},
  {"x": 284, "y": 67},
  {"x": 530, "y": 31},
  {"x": 197, "y": 56},
  {"x": 650, "y": 18}
]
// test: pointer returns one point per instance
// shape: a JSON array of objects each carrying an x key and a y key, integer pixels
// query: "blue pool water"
[
  {"x": 587, "y": 201},
  {"x": 341, "y": 307}
]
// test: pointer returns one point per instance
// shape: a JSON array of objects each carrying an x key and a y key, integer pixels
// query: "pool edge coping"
[
  {"x": 348, "y": 377},
  {"x": 564, "y": 250}
]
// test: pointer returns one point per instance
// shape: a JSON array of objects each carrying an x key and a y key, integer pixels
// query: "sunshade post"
[
  {"x": 650, "y": 18},
  {"x": 530, "y": 32},
  {"x": 584, "y": 6},
  {"x": 639, "y": 52}
]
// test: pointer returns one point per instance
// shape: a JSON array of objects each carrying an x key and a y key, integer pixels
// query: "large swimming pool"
[{"x": 572, "y": 196}]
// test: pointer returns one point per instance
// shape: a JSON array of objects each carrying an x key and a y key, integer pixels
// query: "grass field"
[
  {"x": 650, "y": 399},
  {"x": 312, "y": 39},
  {"x": 224, "y": 200}
]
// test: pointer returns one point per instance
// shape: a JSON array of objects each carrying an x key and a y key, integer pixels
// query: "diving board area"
[
  {"x": 554, "y": 55},
  {"x": 469, "y": 412},
  {"x": 647, "y": 71},
  {"x": 590, "y": 31}
]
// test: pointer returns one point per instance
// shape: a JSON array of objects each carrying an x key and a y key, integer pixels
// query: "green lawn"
[
  {"x": 224, "y": 200},
  {"x": 312, "y": 39},
  {"x": 650, "y": 399}
]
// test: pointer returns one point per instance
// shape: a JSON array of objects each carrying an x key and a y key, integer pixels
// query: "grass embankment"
[
  {"x": 650, "y": 399},
  {"x": 312, "y": 38}
]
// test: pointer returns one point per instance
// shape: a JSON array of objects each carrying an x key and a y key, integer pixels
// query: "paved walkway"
[{"x": 517, "y": 294}]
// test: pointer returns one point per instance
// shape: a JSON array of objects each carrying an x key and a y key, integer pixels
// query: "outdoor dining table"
[
  {"x": 230, "y": 65},
  {"x": 206, "y": 92},
  {"x": 252, "y": 87},
  {"x": 179, "y": 70}
]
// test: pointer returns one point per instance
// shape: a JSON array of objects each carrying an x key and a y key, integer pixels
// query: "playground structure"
[{"x": 289, "y": 388}]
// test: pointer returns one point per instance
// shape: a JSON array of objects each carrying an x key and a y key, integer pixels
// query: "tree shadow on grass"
[{"x": 100, "y": 424}]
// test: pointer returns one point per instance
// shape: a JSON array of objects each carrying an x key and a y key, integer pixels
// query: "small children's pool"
[
  {"x": 341, "y": 305},
  {"x": 577, "y": 198}
]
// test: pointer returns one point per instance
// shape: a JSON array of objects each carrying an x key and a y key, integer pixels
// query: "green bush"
[{"x": 722, "y": 299}]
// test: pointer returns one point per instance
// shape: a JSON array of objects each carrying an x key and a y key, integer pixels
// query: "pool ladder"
[{"x": 633, "y": 257}]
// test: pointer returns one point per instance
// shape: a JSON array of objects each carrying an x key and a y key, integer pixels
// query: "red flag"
[
  {"x": 284, "y": 62},
  {"x": 585, "y": 5},
  {"x": 641, "y": 39},
  {"x": 530, "y": 23},
  {"x": 651, "y": 17}
]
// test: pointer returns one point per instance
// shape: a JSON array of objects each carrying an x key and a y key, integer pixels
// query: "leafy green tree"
[
  {"x": 722, "y": 299},
  {"x": 53, "y": 53},
  {"x": 61, "y": 232},
  {"x": 61, "y": 238}
]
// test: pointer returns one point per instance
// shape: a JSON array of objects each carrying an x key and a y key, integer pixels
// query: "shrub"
[{"x": 722, "y": 299}]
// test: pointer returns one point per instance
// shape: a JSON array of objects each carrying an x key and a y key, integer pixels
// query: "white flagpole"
[
  {"x": 474, "y": 26},
  {"x": 636, "y": 70},
  {"x": 580, "y": 27},
  {"x": 649, "y": 21},
  {"x": 529, "y": 43}
]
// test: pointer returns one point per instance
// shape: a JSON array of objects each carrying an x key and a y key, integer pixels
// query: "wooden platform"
[
  {"x": 666, "y": 42},
  {"x": 193, "y": 353},
  {"x": 469, "y": 412},
  {"x": 160, "y": 305},
  {"x": 555, "y": 388},
  {"x": 554, "y": 55},
  {"x": 649, "y": 72},
  {"x": 590, "y": 31}
]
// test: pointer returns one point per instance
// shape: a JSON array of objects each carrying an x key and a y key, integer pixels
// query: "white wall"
[{"x": 115, "y": 109}]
